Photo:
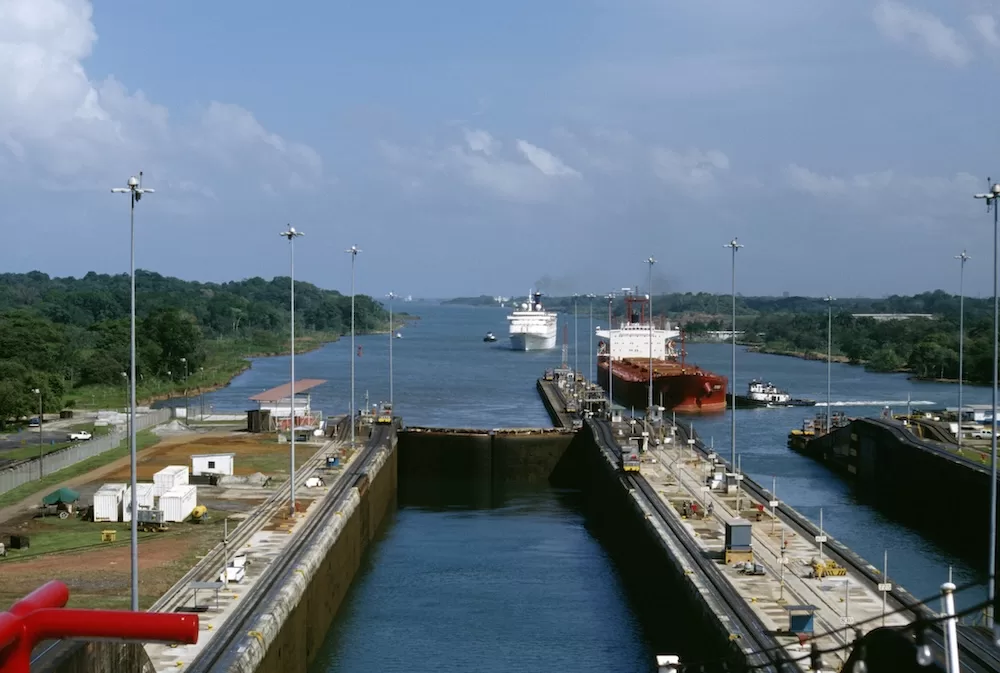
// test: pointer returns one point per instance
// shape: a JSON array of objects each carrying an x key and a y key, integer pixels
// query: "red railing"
[{"x": 41, "y": 615}]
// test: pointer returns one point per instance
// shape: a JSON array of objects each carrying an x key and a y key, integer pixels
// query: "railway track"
[
  {"x": 977, "y": 652},
  {"x": 210, "y": 567},
  {"x": 225, "y": 647},
  {"x": 762, "y": 649}
]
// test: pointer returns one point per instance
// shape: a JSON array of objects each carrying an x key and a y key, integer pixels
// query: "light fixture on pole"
[
  {"x": 353, "y": 252},
  {"x": 38, "y": 391},
  {"x": 184, "y": 360},
  {"x": 391, "y": 296},
  {"x": 611, "y": 378},
  {"x": 649, "y": 287},
  {"x": 590, "y": 297},
  {"x": 734, "y": 245},
  {"x": 991, "y": 198},
  {"x": 291, "y": 234},
  {"x": 829, "y": 359},
  {"x": 576, "y": 355},
  {"x": 135, "y": 190},
  {"x": 961, "y": 338}
]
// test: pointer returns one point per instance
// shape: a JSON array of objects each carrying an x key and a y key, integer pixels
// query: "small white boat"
[{"x": 398, "y": 335}]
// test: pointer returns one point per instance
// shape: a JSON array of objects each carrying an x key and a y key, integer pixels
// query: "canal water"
[{"x": 524, "y": 585}]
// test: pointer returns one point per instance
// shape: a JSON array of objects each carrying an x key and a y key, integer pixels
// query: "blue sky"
[{"x": 479, "y": 147}]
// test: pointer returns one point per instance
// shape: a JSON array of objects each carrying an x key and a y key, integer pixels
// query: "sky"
[{"x": 488, "y": 148}]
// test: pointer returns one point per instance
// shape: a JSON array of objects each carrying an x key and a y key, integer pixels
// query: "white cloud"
[
  {"x": 533, "y": 175},
  {"x": 691, "y": 169},
  {"x": 58, "y": 124},
  {"x": 901, "y": 23},
  {"x": 986, "y": 26},
  {"x": 882, "y": 184}
]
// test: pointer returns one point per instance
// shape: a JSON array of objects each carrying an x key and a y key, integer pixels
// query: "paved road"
[{"x": 52, "y": 431}]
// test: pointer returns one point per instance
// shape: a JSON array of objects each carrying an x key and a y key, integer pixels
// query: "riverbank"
[
  {"x": 802, "y": 355},
  {"x": 225, "y": 360}
]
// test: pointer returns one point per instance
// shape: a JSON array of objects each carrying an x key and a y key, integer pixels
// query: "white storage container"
[
  {"x": 145, "y": 499},
  {"x": 108, "y": 502},
  {"x": 172, "y": 475},
  {"x": 178, "y": 502}
]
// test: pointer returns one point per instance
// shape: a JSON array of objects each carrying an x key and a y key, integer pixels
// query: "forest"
[
  {"x": 67, "y": 336},
  {"x": 925, "y": 347}
]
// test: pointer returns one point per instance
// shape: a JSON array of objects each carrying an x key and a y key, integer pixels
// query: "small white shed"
[
  {"x": 171, "y": 475},
  {"x": 178, "y": 502},
  {"x": 213, "y": 463},
  {"x": 145, "y": 498},
  {"x": 108, "y": 502}
]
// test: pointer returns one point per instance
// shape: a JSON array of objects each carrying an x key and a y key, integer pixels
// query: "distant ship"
[
  {"x": 677, "y": 386},
  {"x": 532, "y": 328},
  {"x": 490, "y": 337},
  {"x": 760, "y": 394}
]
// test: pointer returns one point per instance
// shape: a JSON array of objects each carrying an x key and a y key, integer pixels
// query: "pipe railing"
[{"x": 42, "y": 615}]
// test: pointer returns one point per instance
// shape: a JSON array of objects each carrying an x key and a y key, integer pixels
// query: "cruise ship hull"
[
  {"x": 532, "y": 342},
  {"x": 683, "y": 389}
]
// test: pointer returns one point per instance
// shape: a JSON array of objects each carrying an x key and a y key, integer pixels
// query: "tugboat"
[
  {"x": 767, "y": 395},
  {"x": 399, "y": 335},
  {"x": 489, "y": 337}
]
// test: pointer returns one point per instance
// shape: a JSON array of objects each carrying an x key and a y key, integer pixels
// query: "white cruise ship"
[{"x": 531, "y": 327}]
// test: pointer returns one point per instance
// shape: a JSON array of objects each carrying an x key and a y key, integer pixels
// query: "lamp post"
[
  {"x": 611, "y": 378},
  {"x": 353, "y": 252},
  {"x": 391, "y": 296},
  {"x": 961, "y": 338},
  {"x": 291, "y": 234},
  {"x": 734, "y": 245},
  {"x": 184, "y": 360},
  {"x": 576, "y": 331},
  {"x": 590, "y": 297},
  {"x": 38, "y": 391},
  {"x": 651, "y": 262},
  {"x": 135, "y": 190},
  {"x": 127, "y": 424},
  {"x": 991, "y": 587},
  {"x": 829, "y": 358}
]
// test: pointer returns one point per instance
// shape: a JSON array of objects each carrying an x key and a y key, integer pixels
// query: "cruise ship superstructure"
[{"x": 531, "y": 327}]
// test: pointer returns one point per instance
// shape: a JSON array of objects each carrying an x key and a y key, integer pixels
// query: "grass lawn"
[
  {"x": 275, "y": 463},
  {"x": 143, "y": 439}
]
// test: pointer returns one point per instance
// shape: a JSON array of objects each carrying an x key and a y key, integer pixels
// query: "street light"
[
  {"x": 576, "y": 356},
  {"x": 829, "y": 357},
  {"x": 185, "y": 361},
  {"x": 961, "y": 338},
  {"x": 291, "y": 234},
  {"x": 611, "y": 379},
  {"x": 127, "y": 424},
  {"x": 135, "y": 190},
  {"x": 732, "y": 383},
  {"x": 651, "y": 262},
  {"x": 353, "y": 252},
  {"x": 391, "y": 296},
  {"x": 991, "y": 203},
  {"x": 592, "y": 362},
  {"x": 38, "y": 391}
]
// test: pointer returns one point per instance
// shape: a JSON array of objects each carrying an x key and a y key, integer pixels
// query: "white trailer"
[
  {"x": 178, "y": 502},
  {"x": 108, "y": 502},
  {"x": 213, "y": 463},
  {"x": 171, "y": 475},
  {"x": 145, "y": 499}
]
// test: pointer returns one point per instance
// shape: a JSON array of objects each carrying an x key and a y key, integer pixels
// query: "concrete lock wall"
[
  {"x": 92, "y": 657},
  {"x": 23, "y": 471},
  {"x": 309, "y": 601},
  {"x": 483, "y": 456}
]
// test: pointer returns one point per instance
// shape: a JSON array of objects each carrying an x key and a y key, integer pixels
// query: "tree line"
[
  {"x": 60, "y": 333},
  {"x": 926, "y": 347}
]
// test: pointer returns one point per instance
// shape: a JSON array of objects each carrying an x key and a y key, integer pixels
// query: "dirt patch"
[
  {"x": 253, "y": 453},
  {"x": 100, "y": 576}
]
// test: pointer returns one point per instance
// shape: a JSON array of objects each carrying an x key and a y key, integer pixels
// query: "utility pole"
[
  {"x": 391, "y": 296},
  {"x": 291, "y": 234},
  {"x": 650, "y": 262},
  {"x": 734, "y": 245},
  {"x": 353, "y": 252},
  {"x": 961, "y": 339}
]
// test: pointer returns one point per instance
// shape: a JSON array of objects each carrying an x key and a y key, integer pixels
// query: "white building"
[
  {"x": 278, "y": 404},
  {"x": 213, "y": 463}
]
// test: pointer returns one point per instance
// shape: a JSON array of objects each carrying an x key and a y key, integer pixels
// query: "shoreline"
[{"x": 248, "y": 364}]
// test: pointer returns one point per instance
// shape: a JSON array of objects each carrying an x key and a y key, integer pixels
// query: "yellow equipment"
[
  {"x": 199, "y": 514},
  {"x": 384, "y": 415},
  {"x": 829, "y": 569},
  {"x": 109, "y": 535}
]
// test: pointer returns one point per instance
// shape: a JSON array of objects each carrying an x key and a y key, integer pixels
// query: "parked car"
[
  {"x": 79, "y": 436},
  {"x": 982, "y": 433},
  {"x": 33, "y": 423}
]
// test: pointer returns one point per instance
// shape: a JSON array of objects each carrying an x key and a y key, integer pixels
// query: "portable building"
[
  {"x": 108, "y": 502},
  {"x": 178, "y": 502},
  {"x": 144, "y": 498},
  {"x": 213, "y": 463},
  {"x": 172, "y": 475}
]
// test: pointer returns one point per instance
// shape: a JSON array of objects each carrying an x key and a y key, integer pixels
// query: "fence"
[{"x": 24, "y": 471}]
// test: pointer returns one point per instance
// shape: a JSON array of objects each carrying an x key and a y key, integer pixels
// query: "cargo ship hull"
[{"x": 683, "y": 389}]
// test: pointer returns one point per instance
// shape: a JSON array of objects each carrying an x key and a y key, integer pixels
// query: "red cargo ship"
[{"x": 677, "y": 385}]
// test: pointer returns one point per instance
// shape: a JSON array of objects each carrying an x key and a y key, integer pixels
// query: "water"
[
  {"x": 531, "y": 555},
  {"x": 521, "y": 587}
]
